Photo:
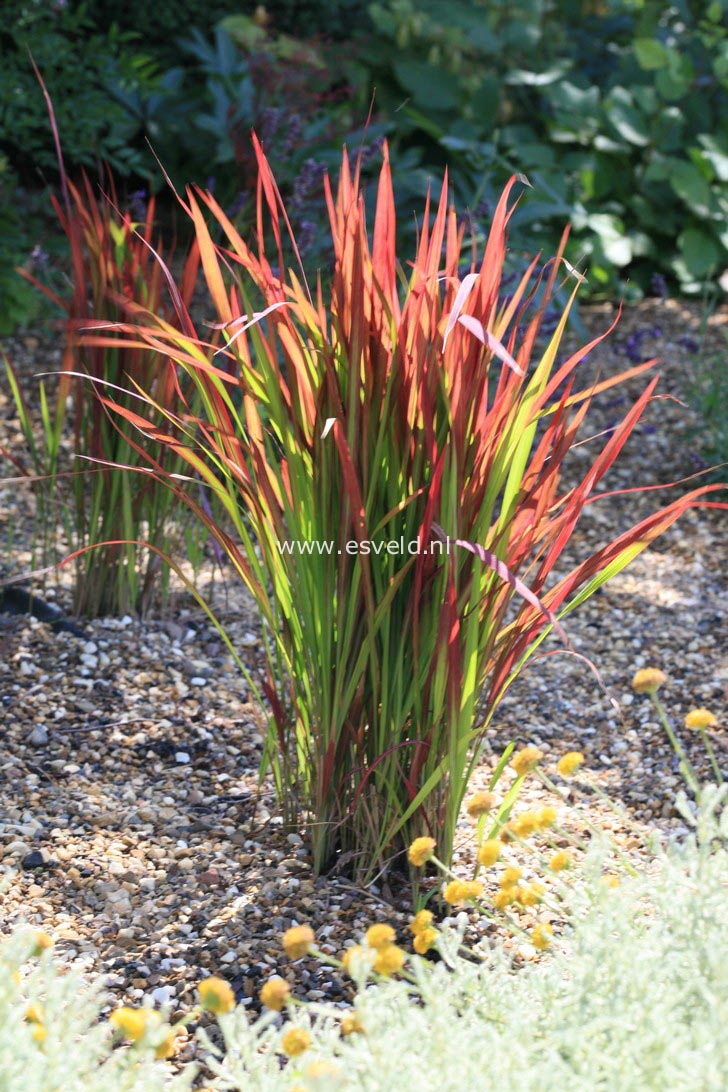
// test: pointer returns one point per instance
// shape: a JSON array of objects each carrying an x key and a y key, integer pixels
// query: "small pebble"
[
  {"x": 34, "y": 860},
  {"x": 39, "y": 736}
]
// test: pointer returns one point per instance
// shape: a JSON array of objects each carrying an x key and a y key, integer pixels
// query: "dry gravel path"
[{"x": 132, "y": 826}]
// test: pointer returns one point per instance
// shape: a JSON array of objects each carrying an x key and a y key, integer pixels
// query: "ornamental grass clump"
[
  {"x": 103, "y": 483},
  {"x": 110, "y": 496},
  {"x": 388, "y": 444}
]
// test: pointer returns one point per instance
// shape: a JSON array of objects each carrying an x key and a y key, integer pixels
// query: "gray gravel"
[{"x": 128, "y": 762}]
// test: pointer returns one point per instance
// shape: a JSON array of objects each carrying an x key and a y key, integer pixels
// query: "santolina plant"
[
  {"x": 396, "y": 401},
  {"x": 643, "y": 967}
]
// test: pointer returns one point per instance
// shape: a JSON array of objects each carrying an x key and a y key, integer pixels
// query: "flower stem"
[
  {"x": 711, "y": 756},
  {"x": 685, "y": 765}
]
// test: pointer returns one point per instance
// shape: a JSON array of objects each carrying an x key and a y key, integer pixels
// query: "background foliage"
[{"x": 616, "y": 111}]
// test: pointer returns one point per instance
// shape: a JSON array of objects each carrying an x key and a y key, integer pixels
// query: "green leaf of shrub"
[
  {"x": 430, "y": 87},
  {"x": 650, "y": 54},
  {"x": 690, "y": 185},
  {"x": 617, "y": 246},
  {"x": 628, "y": 122},
  {"x": 716, "y": 152},
  {"x": 699, "y": 250}
]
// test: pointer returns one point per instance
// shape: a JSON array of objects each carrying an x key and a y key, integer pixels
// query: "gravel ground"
[{"x": 132, "y": 825}]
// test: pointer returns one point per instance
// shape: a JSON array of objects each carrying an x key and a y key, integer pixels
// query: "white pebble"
[
  {"x": 197, "y": 680},
  {"x": 182, "y": 757}
]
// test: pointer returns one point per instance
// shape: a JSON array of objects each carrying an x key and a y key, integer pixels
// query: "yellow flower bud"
[
  {"x": 216, "y": 995},
  {"x": 480, "y": 804},
  {"x": 541, "y": 936},
  {"x": 560, "y": 861},
  {"x": 489, "y": 852},
  {"x": 569, "y": 763},
  {"x": 275, "y": 993},
  {"x": 421, "y": 921},
  {"x": 648, "y": 680},
  {"x": 295, "y": 1041},
  {"x": 131, "y": 1023},
  {"x": 700, "y": 719},
  {"x": 526, "y": 760},
  {"x": 351, "y": 1024},
  {"x": 298, "y": 941},
  {"x": 379, "y": 936},
  {"x": 389, "y": 960},
  {"x": 424, "y": 941},
  {"x": 421, "y": 851}
]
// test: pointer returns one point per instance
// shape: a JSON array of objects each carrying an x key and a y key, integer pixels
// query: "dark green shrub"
[
  {"x": 616, "y": 112},
  {"x": 159, "y": 25},
  {"x": 17, "y": 296},
  {"x": 82, "y": 70},
  {"x": 338, "y": 19}
]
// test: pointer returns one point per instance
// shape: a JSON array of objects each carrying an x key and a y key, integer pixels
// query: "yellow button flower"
[
  {"x": 216, "y": 995},
  {"x": 560, "y": 860},
  {"x": 461, "y": 890},
  {"x": 323, "y": 1073},
  {"x": 131, "y": 1023},
  {"x": 526, "y": 760},
  {"x": 648, "y": 680},
  {"x": 505, "y": 896},
  {"x": 511, "y": 876},
  {"x": 421, "y": 921},
  {"x": 424, "y": 941},
  {"x": 379, "y": 936},
  {"x": 298, "y": 941},
  {"x": 389, "y": 960},
  {"x": 480, "y": 804},
  {"x": 351, "y": 1024},
  {"x": 295, "y": 1041},
  {"x": 41, "y": 942},
  {"x": 547, "y": 817},
  {"x": 569, "y": 763},
  {"x": 354, "y": 959},
  {"x": 489, "y": 852},
  {"x": 541, "y": 936},
  {"x": 700, "y": 719},
  {"x": 169, "y": 1044},
  {"x": 34, "y": 1013},
  {"x": 421, "y": 850},
  {"x": 525, "y": 824},
  {"x": 530, "y": 896},
  {"x": 275, "y": 993}
]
